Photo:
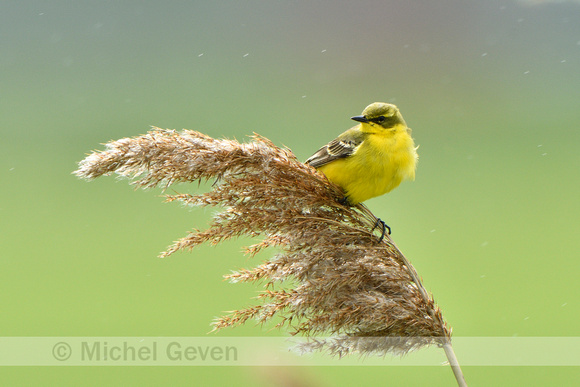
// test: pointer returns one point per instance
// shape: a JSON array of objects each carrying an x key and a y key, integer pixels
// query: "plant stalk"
[{"x": 454, "y": 364}]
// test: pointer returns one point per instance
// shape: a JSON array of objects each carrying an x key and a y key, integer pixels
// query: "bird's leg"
[
  {"x": 384, "y": 228},
  {"x": 344, "y": 201}
]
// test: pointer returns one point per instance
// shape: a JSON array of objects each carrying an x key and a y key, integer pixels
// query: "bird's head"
[{"x": 380, "y": 115}]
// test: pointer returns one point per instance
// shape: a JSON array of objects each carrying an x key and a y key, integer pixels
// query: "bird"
[{"x": 371, "y": 158}]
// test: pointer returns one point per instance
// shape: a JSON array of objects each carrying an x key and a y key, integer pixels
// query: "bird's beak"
[{"x": 359, "y": 118}]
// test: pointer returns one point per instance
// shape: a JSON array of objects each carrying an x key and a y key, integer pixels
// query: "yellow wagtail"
[{"x": 371, "y": 158}]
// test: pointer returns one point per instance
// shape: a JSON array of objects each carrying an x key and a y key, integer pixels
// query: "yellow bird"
[{"x": 371, "y": 158}]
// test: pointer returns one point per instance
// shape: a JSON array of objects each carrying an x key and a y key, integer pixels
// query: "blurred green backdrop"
[{"x": 491, "y": 90}]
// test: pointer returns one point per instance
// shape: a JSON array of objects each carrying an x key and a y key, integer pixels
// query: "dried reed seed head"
[{"x": 348, "y": 282}]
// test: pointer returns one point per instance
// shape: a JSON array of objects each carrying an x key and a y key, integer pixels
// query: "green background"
[{"x": 491, "y": 90}]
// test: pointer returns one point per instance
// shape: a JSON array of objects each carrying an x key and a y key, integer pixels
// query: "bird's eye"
[{"x": 380, "y": 119}]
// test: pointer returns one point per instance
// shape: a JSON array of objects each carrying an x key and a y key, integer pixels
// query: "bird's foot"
[{"x": 384, "y": 228}]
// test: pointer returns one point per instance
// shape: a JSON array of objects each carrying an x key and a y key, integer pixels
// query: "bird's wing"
[{"x": 341, "y": 147}]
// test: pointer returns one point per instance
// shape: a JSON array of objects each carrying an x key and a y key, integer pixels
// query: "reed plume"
[{"x": 331, "y": 275}]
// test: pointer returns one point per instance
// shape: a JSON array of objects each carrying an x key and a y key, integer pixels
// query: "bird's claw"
[{"x": 384, "y": 228}]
